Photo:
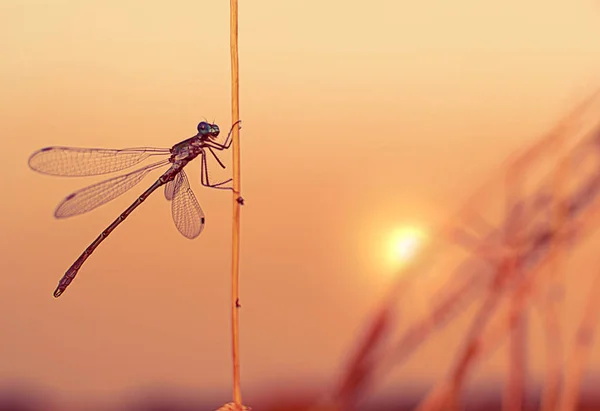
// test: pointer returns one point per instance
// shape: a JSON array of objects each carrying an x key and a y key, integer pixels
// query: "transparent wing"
[
  {"x": 187, "y": 213},
  {"x": 169, "y": 190},
  {"x": 75, "y": 162},
  {"x": 88, "y": 198}
]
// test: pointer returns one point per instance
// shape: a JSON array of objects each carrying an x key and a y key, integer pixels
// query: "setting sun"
[{"x": 404, "y": 244}]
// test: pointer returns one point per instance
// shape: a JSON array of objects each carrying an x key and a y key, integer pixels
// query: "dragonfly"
[{"x": 77, "y": 162}]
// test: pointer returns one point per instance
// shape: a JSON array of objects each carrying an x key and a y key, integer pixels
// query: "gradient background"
[{"x": 359, "y": 118}]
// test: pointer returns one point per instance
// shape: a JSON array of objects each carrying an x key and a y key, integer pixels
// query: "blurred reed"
[{"x": 526, "y": 268}]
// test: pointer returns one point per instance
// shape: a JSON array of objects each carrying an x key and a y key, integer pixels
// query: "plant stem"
[{"x": 235, "y": 256}]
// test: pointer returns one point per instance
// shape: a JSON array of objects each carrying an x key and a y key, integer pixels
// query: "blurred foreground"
[{"x": 289, "y": 400}]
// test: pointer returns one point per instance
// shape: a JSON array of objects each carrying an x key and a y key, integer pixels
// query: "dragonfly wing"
[
  {"x": 88, "y": 198},
  {"x": 187, "y": 213},
  {"x": 75, "y": 162},
  {"x": 170, "y": 190}
]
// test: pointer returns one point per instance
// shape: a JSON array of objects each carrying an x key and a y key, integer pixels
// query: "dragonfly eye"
[
  {"x": 203, "y": 127},
  {"x": 215, "y": 130}
]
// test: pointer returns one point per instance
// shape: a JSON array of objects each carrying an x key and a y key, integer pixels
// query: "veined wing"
[
  {"x": 93, "y": 196},
  {"x": 187, "y": 213},
  {"x": 170, "y": 190},
  {"x": 76, "y": 162}
]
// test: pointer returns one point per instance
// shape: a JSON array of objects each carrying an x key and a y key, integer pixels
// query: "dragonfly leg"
[
  {"x": 228, "y": 140},
  {"x": 216, "y": 157},
  {"x": 204, "y": 178}
]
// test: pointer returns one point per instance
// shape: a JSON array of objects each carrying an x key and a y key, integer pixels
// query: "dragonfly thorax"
[{"x": 186, "y": 152}]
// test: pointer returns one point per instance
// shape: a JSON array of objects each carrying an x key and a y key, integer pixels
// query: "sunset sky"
[{"x": 359, "y": 119}]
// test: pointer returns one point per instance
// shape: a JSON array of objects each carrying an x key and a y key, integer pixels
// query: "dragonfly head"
[{"x": 207, "y": 130}]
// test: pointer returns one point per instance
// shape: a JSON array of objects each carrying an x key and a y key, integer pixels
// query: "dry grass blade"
[
  {"x": 552, "y": 306},
  {"x": 362, "y": 364},
  {"x": 235, "y": 255},
  {"x": 581, "y": 350}
]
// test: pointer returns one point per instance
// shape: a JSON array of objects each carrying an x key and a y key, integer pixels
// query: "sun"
[{"x": 404, "y": 244}]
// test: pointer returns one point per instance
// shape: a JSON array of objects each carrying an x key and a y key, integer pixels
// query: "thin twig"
[{"x": 235, "y": 256}]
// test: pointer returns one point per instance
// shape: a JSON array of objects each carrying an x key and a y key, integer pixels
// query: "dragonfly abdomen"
[{"x": 72, "y": 271}]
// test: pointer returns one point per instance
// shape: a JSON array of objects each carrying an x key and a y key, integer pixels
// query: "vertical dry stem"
[
  {"x": 581, "y": 350},
  {"x": 514, "y": 393},
  {"x": 235, "y": 256},
  {"x": 551, "y": 304}
]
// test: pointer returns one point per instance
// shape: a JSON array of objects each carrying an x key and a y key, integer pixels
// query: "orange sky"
[{"x": 357, "y": 119}]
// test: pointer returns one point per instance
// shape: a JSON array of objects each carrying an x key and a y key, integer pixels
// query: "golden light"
[{"x": 404, "y": 244}]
